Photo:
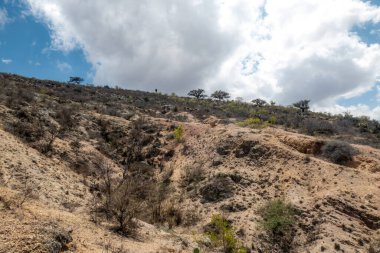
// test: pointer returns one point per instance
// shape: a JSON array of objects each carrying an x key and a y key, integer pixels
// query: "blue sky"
[
  {"x": 328, "y": 51},
  {"x": 26, "y": 42}
]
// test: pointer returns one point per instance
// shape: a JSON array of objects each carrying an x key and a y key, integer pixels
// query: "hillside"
[{"x": 77, "y": 160}]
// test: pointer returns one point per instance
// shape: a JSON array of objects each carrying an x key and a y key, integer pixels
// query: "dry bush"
[
  {"x": 339, "y": 152},
  {"x": 217, "y": 189},
  {"x": 191, "y": 176},
  {"x": 108, "y": 180},
  {"x": 65, "y": 117},
  {"x": 110, "y": 248},
  {"x": 316, "y": 126},
  {"x": 125, "y": 206},
  {"x": 35, "y": 128},
  {"x": 120, "y": 144},
  {"x": 18, "y": 96}
]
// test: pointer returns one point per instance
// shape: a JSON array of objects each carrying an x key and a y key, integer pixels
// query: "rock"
[
  {"x": 217, "y": 161},
  {"x": 212, "y": 121},
  {"x": 128, "y": 115},
  {"x": 223, "y": 150},
  {"x": 231, "y": 207},
  {"x": 169, "y": 154}
]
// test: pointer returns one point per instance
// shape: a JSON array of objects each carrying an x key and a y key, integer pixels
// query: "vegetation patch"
[
  {"x": 278, "y": 219},
  {"x": 219, "y": 188},
  {"x": 339, "y": 152},
  {"x": 222, "y": 235},
  {"x": 255, "y": 123},
  {"x": 278, "y": 216},
  {"x": 178, "y": 133}
]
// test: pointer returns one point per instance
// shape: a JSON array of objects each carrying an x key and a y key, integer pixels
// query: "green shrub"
[
  {"x": 254, "y": 123},
  {"x": 277, "y": 216},
  {"x": 196, "y": 250},
  {"x": 272, "y": 119},
  {"x": 223, "y": 235},
  {"x": 178, "y": 133}
]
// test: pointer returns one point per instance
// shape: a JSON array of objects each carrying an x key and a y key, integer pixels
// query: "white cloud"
[
  {"x": 6, "y": 61},
  {"x": 63, "y": 66},
  {"x": 356, "y": 110},
  {"x": 280, "y": 50},
  {"x": 3, "y": 17}
]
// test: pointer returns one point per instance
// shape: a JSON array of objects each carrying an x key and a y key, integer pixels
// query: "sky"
[{"x": 327, "y": 51}]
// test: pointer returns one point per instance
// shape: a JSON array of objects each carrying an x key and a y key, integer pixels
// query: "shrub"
[
  {"x": 339, "y": 152},
  {"x": 277, "y": 217},
  {"x": 178, "y": 133},
  {"x": 192, "y": 175},
  {"x": 125, "y": 206},
  {"x": 272, "y": 119},
  {"x": 223, "y": 235},
  {"x": 219, "y": 188},
  {"x": 65, "y": 118},
  {"x": 316, "y": 126},
  {"x": 254, "y": 123}
]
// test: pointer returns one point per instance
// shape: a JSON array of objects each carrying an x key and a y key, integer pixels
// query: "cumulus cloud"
[
  {"x": 280, "y": 50},
  {"x": 3, "y": 17},
  {"x": 6, "y": 61},
  {"x": 356, "y": 110},
  {"x": 64, "y": 66}
]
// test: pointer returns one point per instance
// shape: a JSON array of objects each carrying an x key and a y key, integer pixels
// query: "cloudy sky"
[{"x": 327, "y": 51}]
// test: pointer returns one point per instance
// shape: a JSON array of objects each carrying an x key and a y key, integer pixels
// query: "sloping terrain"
[{"x": 53, "y": 193}]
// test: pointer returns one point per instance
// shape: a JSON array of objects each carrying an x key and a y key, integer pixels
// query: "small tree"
[
  {"x": 258, "y": 102},
  {"x": 220, "y": 95},
  {"x": 75, "y": 80},
  {"x": 303, "y": 105},
  {"x": 198, "y": 93}
]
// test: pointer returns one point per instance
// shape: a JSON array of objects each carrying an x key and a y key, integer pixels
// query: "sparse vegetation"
[
  {"x": 127, "y": 168},
  {"x": 339, "y": 152},
  {"x": 315, "y": 126},
  {"x": 278, "y": 220},
  {"x": 222, "y": 235},
  {"x": 191, "y": 176},
  {"x": 217, "y": 189},
  {"x": 254, "y": 123},
  {"x": 277, "y": 217},
  {"x": 178, "y": 133},
  {"x": 125, "y": 206}
]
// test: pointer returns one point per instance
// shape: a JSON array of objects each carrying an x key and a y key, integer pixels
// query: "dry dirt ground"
[{"x": 44, "y": 205}]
